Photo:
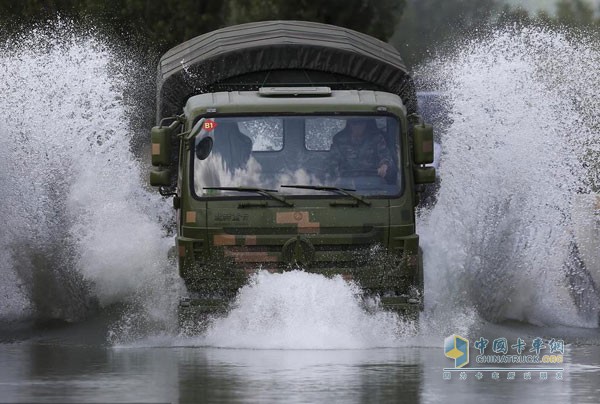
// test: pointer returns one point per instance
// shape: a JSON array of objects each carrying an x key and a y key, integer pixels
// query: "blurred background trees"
[
  {"x": 430, "y": 26},
  {"x": 156, "y": 26},
  {"x": 418, "y": 28}
]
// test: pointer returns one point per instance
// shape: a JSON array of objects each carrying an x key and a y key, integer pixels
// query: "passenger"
[{"x": 360, "y": 150}]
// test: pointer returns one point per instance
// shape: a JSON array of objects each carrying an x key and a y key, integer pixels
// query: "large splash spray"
[
  {"x": 522, "y": 136},
  {"x": 81, "y": 229},
  {"x": 78, "y": 226}
]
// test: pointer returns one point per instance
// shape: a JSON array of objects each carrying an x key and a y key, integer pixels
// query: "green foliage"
[
  {"x": 569, "y": 13},
  {"x": 575, "y": 13},
  {"x": 431, "y": 25},
  {"x": 373, "y": 17},
  {"x": 156, "y": 26}
]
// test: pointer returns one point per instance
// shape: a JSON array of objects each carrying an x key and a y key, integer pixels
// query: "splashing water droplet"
[
  {"x": 81, "y": 229},
  {"x": 523, "y": 130}
]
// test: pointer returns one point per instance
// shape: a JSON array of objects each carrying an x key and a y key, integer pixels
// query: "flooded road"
[{"x": 61, "y": 368}]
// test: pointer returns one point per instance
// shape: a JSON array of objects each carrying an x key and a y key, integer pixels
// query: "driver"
[{"x": 360, "y": 150}]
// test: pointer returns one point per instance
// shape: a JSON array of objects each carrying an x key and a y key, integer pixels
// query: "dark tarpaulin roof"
[{"x": 202, "y": 63}]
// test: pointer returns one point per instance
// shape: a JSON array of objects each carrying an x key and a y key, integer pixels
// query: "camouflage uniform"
[{"x": 362, "y": 158}]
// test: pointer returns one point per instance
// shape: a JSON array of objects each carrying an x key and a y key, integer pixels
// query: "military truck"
[{"x": 258, "y": 144}]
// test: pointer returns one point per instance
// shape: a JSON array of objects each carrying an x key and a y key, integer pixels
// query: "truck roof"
[
  {"x": 249, "y": 56},
  {"x": 248, "y": 102}
]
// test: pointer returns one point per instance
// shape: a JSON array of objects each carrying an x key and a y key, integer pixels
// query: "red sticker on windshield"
[{"x": 209, "y": 125}]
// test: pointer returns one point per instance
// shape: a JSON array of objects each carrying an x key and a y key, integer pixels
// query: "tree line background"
[{"x": 416, "y": 27}]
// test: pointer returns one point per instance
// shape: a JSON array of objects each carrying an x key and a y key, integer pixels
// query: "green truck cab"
[{"x": 305, "y": 159}]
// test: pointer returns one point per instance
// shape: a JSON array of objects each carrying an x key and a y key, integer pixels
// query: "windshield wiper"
[
  {"x": 260, "y": 191},
  {"x": 343, "y": 191}
]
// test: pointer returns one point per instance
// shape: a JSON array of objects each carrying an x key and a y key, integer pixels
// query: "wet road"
[{"x": 73, "y": 365}]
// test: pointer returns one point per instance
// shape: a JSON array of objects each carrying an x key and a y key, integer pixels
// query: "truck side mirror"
[
  {"x": 161, "y": 145},
  {"x": 203, "y": 138},
  {"x": 160, "y": 177},
  {"x": 423, "y": 144},
  {"x": 204, "y": 148}
]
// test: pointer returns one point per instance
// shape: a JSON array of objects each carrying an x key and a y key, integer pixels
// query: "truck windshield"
[{"x": 358, "y": 153}]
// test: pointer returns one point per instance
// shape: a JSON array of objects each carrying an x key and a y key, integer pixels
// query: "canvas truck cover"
[{"x": 249, "y": 56}]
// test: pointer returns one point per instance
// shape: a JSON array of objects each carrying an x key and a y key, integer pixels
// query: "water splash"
[
  {"x": 523, "y": 134},
  {"x": 80, "y": 230},
  {"x": 81, "y": 227},
  {"x": 300, "y": 310}
]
